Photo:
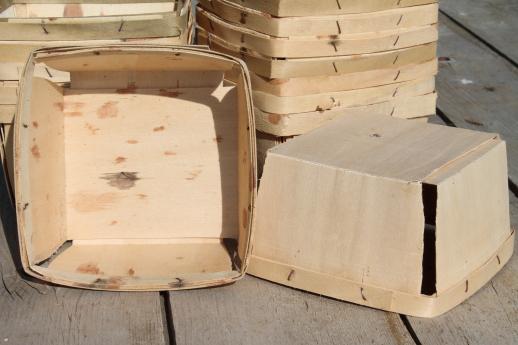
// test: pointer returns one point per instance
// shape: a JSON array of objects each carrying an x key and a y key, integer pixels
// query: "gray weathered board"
[
  {"x": 492, "y": 20},
  {"x": 33, "y": 313},
  {"x": 478, "y": 89},
  {"x": 66, "y": 316},
  {"x": 255, "y": 311}
]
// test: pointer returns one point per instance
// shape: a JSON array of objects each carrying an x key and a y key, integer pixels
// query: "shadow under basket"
[{"x": 140, "y": 173}]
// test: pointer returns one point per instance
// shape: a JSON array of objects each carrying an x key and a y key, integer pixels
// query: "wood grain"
[
  {"x": 488, "y": 317},
  {"x": 477, "y": 88},
  {"x": 33, "y": 313},
  {"x": 492, "y": 20},
  {"x": 254, "y": 311},
  {"x": 51, "y": 315}
]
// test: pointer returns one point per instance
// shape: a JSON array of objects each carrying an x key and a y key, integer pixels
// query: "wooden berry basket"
[
  {"x": 316, "y": 46},
  {"x": 295, "y": 8},
  {"x": 393, "y": 214},
  {"x": 285, "y": 125},
  {"x": 322, "y": 25},
  {"x": 149, "y": 166},
  {"x": 273, "y": 68}
]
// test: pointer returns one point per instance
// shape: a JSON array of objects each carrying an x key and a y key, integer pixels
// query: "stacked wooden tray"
[
  {"x": 311, "y": 62},
  {"x": 30, "y": 24}
]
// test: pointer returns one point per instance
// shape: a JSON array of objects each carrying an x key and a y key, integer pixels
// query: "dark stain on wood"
[
  {"x": 170, "y": 94},
  {"x": 363, "y": 296},
  {"x": 112, "y": 283},
  {"x": 120, "y": 160},
  {"x": 113, "y": 222},
  {"x": 132, "y": 141},
  {"x": 35, "y": 150},
  {"x": 158, "y": 129},
  {"x": 179, "y": 258},
  {"x": 131, "y": 88},
  {"x": 290, "y": 276},
  {"x": 108, "y": 109},
  {"x": 274, "y": 118},
  {"x": 35, "y": 124},
  {"x": 218, "y": 139},
  {"x": 73, "y": 10},
  {"x": 89, "y": 268},
  {"x": 141, "y": 196},
  {"x": 177, "y": 284},
  {"x": 121, "y": 180},
  {"x": 131, "y": 272},
  {"x": 490, "y": 88},
  {"x": 169, "y": 153}
]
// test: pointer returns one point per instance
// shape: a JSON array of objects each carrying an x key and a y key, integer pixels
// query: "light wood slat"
[
  {"x": 492, "y": 20},
  {"x": 253, "y": 311},
  {"x": 488, "y": 317},
  {"x": 33, "y": 313},
  {"x": 477, "y": 88}
]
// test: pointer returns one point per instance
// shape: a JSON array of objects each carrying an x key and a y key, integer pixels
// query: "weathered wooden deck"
[{"x": 478, "y": 89}]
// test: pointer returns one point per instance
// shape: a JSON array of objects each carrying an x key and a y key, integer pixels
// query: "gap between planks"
[{"x": 489, "y": 21}]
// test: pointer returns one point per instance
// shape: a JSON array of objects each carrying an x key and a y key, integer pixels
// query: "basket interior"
[{"x": 137, "y": 174}]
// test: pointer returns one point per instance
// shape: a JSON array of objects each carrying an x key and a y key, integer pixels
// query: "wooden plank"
[
  {"x": 70, "y": 316},
  {"x": 488, "y": 317},
  {"x": 478, "y": 88},
  {"x": 492, "y": 20},
  {"x": 33, "y": 313},
  {"x": 254, "y": 311}
]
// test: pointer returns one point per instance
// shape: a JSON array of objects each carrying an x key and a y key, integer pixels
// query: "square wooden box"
[
  {"x": 393, "y": 214},
  {"x": 138, "y": 175}
]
